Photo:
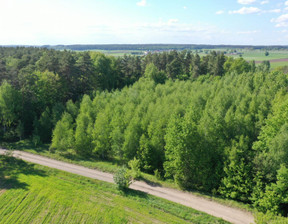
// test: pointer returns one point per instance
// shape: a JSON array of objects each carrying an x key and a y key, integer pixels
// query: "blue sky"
[{"x": 38, "y": 22}]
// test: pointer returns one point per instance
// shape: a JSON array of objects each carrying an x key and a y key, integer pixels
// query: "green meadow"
[{"x": 35, "y": 194}]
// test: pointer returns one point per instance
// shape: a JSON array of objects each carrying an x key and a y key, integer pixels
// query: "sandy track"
[{"x": 202, "y": 204}]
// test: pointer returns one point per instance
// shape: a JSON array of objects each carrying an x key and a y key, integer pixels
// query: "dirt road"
[
  {"x": 274, "y": 60},
  {"x": 205, "y": 205}
]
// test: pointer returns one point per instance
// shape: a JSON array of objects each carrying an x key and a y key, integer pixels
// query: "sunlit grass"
[
  {"x": 45, "y": 195},
  {"x": 112, "y": 167}
]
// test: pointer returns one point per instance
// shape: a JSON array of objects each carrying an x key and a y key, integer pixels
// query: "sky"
[{"x": 235, "y": 22}]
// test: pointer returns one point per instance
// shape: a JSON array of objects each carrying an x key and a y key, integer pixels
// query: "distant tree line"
[
  {"x": 210, "y": 123},
  {"x": 158, "y": 47}
]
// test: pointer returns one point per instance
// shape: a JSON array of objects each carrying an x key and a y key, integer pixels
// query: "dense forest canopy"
[{"x": 210, "y": 123}]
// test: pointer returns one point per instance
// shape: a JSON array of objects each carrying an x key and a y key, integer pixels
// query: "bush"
[
  {"x": 270, "y": 218},
  {"x": 158, "y": 174},
  {"x": 122, "y": 178}
]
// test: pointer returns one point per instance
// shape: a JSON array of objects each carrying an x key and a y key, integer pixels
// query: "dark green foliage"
[
  {"x": 237, "y": 183},
  {"x": 275, "y": 197},
  {"x": 10, "y": 109}
]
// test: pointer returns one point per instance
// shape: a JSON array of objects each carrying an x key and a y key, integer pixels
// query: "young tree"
[
  {"x": 63, "y": 134},
  {"x": 84, "y": 128},
  {"x": 154, "y": 74},
  {"x": 10, "y": 105}
]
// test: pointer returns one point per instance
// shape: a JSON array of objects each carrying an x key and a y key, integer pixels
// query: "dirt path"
[
  {"x": 274, "y": 60},
  {"x": 205, "y": 205}
]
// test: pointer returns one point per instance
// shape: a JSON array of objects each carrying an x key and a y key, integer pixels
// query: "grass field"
[
  {"x": 259, "y": 55},
  {"x": 35, "y": 194},
  {"x": 111, "y": 167},
  {"x": 256, "y": 55},
  {"x": 121, "y": 53},
  {"x": 249, "y": 55}
]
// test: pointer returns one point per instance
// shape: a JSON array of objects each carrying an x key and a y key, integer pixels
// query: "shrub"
[
  {"x": 122, "y": 178},
  {"x": 270, "y": 218}
]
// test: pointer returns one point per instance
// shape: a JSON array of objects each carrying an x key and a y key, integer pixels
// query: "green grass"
[
  {"x": 256, "y": 55},
  {"x": 121, "y": 53},
  {"x": 112, "y": 167},
  {"x": 35, "y": 194},
  {"x": 278, "y": 64},
  {"x": 259, "y": 55}
]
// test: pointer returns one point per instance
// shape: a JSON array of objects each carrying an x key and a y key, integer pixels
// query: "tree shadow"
[
  {"x": 150, "y": 183},
  {"x": 11, "y": 167},
  {"x": 25, "y": 145},
  {"x": 76, "y": 157},
  {"x": 127, "y": 192}
]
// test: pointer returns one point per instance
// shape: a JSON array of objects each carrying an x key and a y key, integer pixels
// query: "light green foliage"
[
  {"x": 186, "y": 157},
  {"x": 63, "y": 134},
  {"x": 72, "y": 109},
  {"x": 122, "y": 178},
  {"x": 84, "y": 128},
  {"x": 132, "y": 135},
  {"x": 101, "y": 135},
  {"x": 238, "y": 65},
  {"x": 215, "y": 119},
  {"x": 46, "y": 88},
  {"x": 10, "y": 105},
  {"x": 269, "y": 218},
  {"x": 154, "y": 74},
  {"x": 135, "y": 168},
  {"x": 273, "y": 139}
]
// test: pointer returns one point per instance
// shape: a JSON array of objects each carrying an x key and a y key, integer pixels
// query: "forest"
[{"x": 211, "y": 123}]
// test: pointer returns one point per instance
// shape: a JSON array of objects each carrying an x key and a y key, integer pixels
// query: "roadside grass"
[
  {"x": 112, "y": 167},
  {"x": 50, "y": 196},
  {"x": 278, "y": 64}
]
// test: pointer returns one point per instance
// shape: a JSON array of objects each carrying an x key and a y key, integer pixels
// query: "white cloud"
[
  {"x": 246, "y": 2},
  {"x": 142, "y": 3},
  {"x": 281, "y": 21},
  {"x": 185, "y": 7},
  {"x": 275, "y": 10},
  {"x": 286, "y": 3},
  {"x": 172, "y": 21},
  {"x": 248, "y": 32},
  {"x": 264, "y": 2},
  {"x": 219, "y": 12},
  {"x": 246, "y": 10}
]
